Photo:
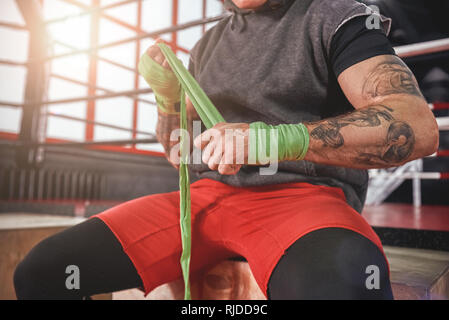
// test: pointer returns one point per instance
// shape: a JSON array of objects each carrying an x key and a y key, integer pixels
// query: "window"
[{"x": 95, "y": 47}]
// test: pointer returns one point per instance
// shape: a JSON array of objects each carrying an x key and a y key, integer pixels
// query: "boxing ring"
[
  {"x": 32, "y": 141},
  {"x": 96, "y": 12}
]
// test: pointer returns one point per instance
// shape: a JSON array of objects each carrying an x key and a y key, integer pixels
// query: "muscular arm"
[
  {"x": 391, "y": 125},
  {"x": 166, "y": 122}
]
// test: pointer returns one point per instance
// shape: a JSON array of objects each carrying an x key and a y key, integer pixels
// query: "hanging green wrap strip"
[
  {"x": 210, "y": 117},
  {"x": 292, "y": 141},
  {"x": 184, "y": 200}
]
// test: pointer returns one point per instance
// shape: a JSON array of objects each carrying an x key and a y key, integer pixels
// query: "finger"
[
  {"x": 228, "y": 169},
  {"x": 155, "y": 44},
  {"x": 174, "y": 165},
  {"x": 202, "y": 140},
  {"x": 229, "y": 147},
  {"x": 210, "y": 134},
  {"x": 159, "y": 57},
  {"x": 166, "y": 65},
  {"x": 208, "y": 152},
  {"x": 153, "y": 49},
  {"x": 215, "y": 159},
  {"x": 156, "y": 54},
  {"x": 228, "y": 157}
]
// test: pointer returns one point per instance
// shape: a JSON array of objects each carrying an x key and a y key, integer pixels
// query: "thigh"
[
  {"x": 148, "y": 229},
  {"x": 102, "y": 266},
  {"x": 331, "y": 263},
  {"x": 261, "y": 223}
]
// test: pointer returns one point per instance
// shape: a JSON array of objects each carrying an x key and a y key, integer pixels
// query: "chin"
[{"x": 249, "y": 4}]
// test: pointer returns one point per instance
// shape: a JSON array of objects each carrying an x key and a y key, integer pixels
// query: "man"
[{"x": 344, "y": 103}]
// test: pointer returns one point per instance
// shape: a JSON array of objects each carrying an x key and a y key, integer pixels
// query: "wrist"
[
  {"x": 163, "y": 114},
  {"x": 281, "y": 142},
  {"x": 170, "y": 108}
]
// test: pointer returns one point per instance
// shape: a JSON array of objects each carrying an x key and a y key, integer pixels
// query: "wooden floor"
[
  {"x": 22, "y": 220},
  {"x": 405, "y": 216},
  {"x": 418, "y": 274}
]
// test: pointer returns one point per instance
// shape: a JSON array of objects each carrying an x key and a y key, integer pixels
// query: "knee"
[
  {"x": 331, "y": 263},
  {"x": 22, "y": 280},
  {"x": 33, "y": 275},
  {"x": 359, "y": 268}
]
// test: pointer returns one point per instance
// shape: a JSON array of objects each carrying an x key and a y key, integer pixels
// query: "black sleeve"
[{"x": 354, "y": 42}]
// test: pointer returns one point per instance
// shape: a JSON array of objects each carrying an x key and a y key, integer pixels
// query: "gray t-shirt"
[{"x": 272, "y": 65}]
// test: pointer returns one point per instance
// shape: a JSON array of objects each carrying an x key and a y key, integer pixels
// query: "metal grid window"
[{"x": 93, "y": 91}]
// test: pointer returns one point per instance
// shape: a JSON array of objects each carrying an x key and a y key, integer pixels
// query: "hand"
[
  {"x": 155, "y": 53},
  {"x": 157, "y": 73},
  {"x": 224, "y": 147}
]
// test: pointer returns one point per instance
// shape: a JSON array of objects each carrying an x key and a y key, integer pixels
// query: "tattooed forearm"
[
  {"x": 397, "y": 147},
  {"x": 166, "y": 123},
  {"x": 329, "y": 132},
  {"x": 391, "y": 76},
  {"x": 391, "y": 123}
]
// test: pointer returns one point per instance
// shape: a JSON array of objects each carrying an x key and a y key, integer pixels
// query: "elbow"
[
  {"x": 431, "y": 136},
  {"x": 434, "y": 140}
]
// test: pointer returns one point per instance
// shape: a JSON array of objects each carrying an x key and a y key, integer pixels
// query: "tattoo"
[
  {"x": 398, "y": 145},
  {"x": 329, "y": 132},
  {"x": 166, "y": 123},
  {"x": 391, "y": 77}
]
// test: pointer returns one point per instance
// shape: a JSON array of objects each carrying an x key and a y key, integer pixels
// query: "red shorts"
[{"x": 257, "y": 223}]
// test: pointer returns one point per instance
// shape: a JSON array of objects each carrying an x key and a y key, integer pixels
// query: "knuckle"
[
  {"x": 212, "y": 165},
  {"x": 205, "y": 157},
  {"x": 197, "y": 141}
]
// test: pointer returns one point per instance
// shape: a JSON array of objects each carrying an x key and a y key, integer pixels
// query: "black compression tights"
[{"x": 325, "y": 264}]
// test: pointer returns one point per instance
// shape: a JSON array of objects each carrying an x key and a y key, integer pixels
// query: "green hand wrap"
[
  {"x": 164, "y": 83},
  {"x": 291, "y": 141}
]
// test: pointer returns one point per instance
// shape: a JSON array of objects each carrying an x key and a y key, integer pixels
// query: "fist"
[
  {"x": 224, "y": 147},
  {"x": 155, "y": 53}
]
